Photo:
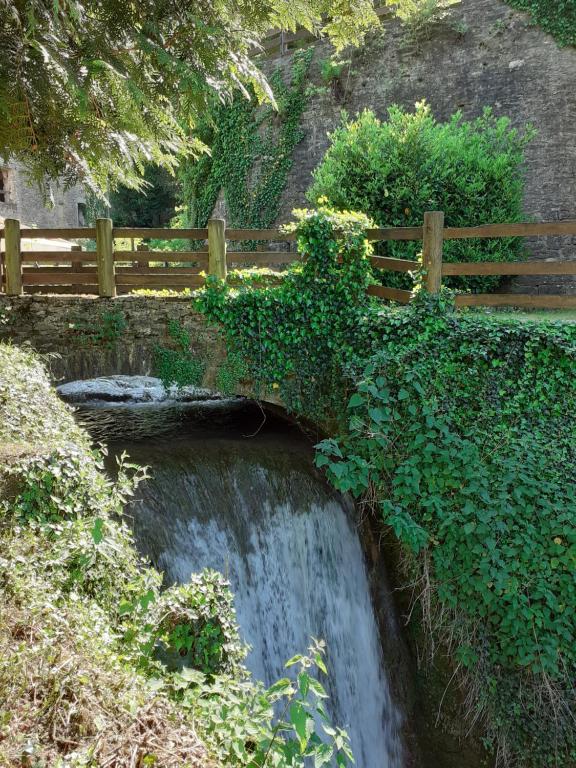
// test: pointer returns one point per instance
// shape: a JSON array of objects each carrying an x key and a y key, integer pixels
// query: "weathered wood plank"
[
  {"x": 394, "y": 265},
  {"x": 260, "y": 234},
  {"x": 544, "y": 228},
  {"x": 63, "y": 257},
  {"x": 169, "y": 256},
  {"x": 41, "y": 277},
  {"x": 160, "y": 281},
  {"x": 158, "y": 271},
  {"x": 515, "y": 300},
  {"x": 511, "y": 268},
  {"x": 62, "y": 233},
  {"x": 13, "y": 257},
  {"x": 393, "y": 294},
  {"x": 160, "y": 233},
  {"x": 105, "y": 260},
  {"x": 432, "y": 250},
  {"x": 262, "y": 257},
  {"x": 395, "y": 233}
]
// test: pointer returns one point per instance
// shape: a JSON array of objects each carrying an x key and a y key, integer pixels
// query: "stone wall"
[
  {"x": 62, "y": 327},
  {"x": 484, "y": 54}
]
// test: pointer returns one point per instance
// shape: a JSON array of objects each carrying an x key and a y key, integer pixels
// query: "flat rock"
[{"x": 130, "y": 389}]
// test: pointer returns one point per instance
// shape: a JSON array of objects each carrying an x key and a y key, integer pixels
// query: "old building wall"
[
  {"x": 25, "y": 202},
  {"x": 484, "y": 54}
]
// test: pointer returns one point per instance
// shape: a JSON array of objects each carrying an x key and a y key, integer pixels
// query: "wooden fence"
[{"x": 108, "y": 271}]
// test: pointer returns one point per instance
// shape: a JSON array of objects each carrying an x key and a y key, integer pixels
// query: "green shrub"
[
  {"x": 299, "y": 336},
  {"x": 461, "y": 433},
  {"x": 195, "y": 626},
  {"x": 396, "y": 170}
]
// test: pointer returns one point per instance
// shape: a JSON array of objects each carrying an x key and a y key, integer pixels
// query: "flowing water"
[{"x": 255, "y": 508}]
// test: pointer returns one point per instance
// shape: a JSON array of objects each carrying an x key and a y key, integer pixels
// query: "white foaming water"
[{"x": 257, "y": 511}]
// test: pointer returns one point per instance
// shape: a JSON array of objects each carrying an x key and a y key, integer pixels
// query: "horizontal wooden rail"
[
  {"x": 66, "y": 278},
  {"x": 159, "y": 233},
  {"x": 274, "y": 235},
  {"x": 393, "y": 294},
  {"x": 168, "y": 256},
  {"x": 160, "y": 281},
  {"x": 64, "y": 233},
  {"x": 515, "y": 300},
  {"x": 395, "y": 233},
  {"x": 58, "y": 256},
  {"x": 394, "y": 265},
  {"x": 545, "y": 228},
  {"x": 510, "y": 268},
  {"x": 261, "y": 257}
]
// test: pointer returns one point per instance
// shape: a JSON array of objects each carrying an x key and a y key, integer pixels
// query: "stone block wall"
[{"x": 63, "y": 327}]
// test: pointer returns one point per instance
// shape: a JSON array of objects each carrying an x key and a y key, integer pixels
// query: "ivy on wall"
[
  {"x": 557, "y": 17},
  {"x": 460, "y": 433},
  {"x": 252, "y": 150}
]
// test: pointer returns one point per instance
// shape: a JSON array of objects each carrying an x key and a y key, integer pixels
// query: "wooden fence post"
[
  {"x": 76, "y": 266},
  {"x": 217, "y": 248},
  {"x": 432, "y": 250},
  {"x": 105, "y": 258},
  {"x": 13, "y": 257}
]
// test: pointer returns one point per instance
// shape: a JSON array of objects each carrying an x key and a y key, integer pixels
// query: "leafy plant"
[
  {"x": 107, "y": 331},
  {"x": 178, "y": 365},
  {"x": 396, "y": 170},
  {"x": 461, "y": 433},
  {"x": 238, "y": 720},
  {"x": 92, "y": 91},
  {"x": 420, "y": 16},
  {"x": 241, "y": 135},
  {"x": 281, "y": 333}
]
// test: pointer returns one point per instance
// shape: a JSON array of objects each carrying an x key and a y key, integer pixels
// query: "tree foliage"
[{"x": 92, "y": 90}]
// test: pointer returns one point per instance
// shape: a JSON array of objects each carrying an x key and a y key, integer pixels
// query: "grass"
[{"x": 532, "y": 316}]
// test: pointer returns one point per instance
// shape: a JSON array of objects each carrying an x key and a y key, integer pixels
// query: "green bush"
[
  {"x": 461, "y": 433},
  {"x": 396, "y": 170}
]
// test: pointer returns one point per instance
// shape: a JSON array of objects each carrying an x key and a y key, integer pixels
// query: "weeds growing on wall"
[
  {"x": 557, "y": 17},
  {"x": 460, "y": 432},
  {"x": 106, "y": 331}
]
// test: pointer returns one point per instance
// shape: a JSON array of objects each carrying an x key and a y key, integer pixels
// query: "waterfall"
[{"x": 255, "y": 509}]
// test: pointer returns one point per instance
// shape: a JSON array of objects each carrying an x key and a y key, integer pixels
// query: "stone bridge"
[{"x": 85, "y": 337}]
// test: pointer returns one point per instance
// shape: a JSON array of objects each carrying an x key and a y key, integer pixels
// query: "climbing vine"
[
  {"x": 321, "y": 299},
  {"x": 558, "y": 17},
  {"x": 459, "y": 432},
  {"x": 252, "y": 150}
]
